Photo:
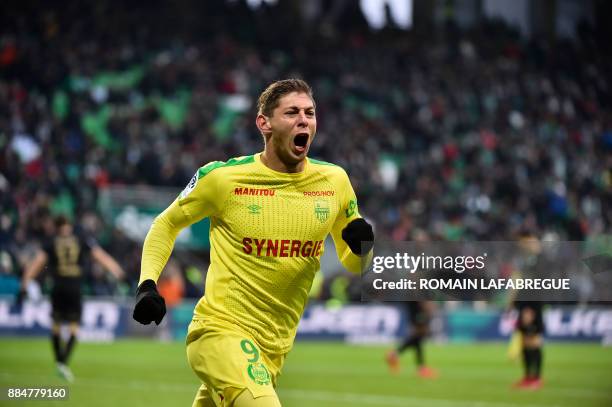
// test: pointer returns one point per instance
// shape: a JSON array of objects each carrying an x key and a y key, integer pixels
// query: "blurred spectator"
[{"x": 171, "y": 285}]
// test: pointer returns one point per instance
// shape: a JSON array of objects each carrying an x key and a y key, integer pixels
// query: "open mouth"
[{"x": 300, "y": 141}]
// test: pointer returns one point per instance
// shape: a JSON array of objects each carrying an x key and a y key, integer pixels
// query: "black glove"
[
  {"x": 357, "y": 232},
  {"x": 150, "y": 306}
]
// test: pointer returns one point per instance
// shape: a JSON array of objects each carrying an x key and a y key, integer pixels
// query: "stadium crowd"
[{"x": 466, "y": 134}]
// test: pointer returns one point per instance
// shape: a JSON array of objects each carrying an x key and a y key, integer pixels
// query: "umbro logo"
[{"x": 254, "y": 209}]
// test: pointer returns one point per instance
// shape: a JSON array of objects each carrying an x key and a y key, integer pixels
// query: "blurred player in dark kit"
[
  {"x": 419, "y": 314},
  {"x": 66, "y": 254},
  {"x": 530, "y": 322}
]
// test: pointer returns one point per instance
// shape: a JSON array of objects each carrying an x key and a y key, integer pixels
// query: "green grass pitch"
[{"x": 148, "y": 373}]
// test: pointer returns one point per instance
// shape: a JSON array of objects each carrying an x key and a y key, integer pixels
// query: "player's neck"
[{"x": 273, "y": 162}]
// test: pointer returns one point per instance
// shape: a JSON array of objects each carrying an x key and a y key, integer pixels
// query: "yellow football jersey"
[{"x": 267, "y": 236}]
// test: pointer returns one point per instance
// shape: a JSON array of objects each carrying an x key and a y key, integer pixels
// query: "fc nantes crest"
[
  {"x": 321, "y": 210},
  {"x": 258, "y": 373}
]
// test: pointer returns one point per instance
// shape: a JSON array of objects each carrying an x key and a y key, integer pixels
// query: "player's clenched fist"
[
  {"x": 150, "y": 306},
  {"x": 359, "y": 236}
]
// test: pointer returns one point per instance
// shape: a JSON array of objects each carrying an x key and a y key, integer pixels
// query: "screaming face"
[{"x": 289, "y": 131}]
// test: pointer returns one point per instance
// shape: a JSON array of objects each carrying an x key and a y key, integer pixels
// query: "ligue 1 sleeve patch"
[
  {"x": 350, "y": 209},
  {"x": 190, "y": 187}
]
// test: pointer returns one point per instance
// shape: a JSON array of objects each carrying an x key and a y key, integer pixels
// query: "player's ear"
[{"x": 263, "y": 124}]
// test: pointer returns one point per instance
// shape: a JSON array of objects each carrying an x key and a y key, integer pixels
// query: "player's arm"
[
  {"x": 201, "y": 198},
  {"x": 34, "y": 268},
  {"x": 160, "y": 239},
  {"x": 30, "y": 273},
  {"x": 512, "y": 293},
  {"x": 108, "y": 262},
  {"x": 353, "y": 236}
]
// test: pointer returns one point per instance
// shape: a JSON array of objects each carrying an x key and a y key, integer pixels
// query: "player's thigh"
[
  {"x": 246, "y": 399},
  {"x": 531, "y": 341},
  {"x": 203, "y": 398},
  {"x": 421, "y": 329}
]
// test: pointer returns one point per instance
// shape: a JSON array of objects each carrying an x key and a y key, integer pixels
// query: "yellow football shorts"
[{"x": 228, "y": 361}]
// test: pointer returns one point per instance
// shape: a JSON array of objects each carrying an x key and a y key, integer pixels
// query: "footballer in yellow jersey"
[{"x": 270, "y": 214}]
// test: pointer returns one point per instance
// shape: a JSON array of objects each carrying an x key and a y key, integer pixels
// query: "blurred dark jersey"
[
  {"x": 418, "y": 313},
  {"x": 68, "y": 257}
]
